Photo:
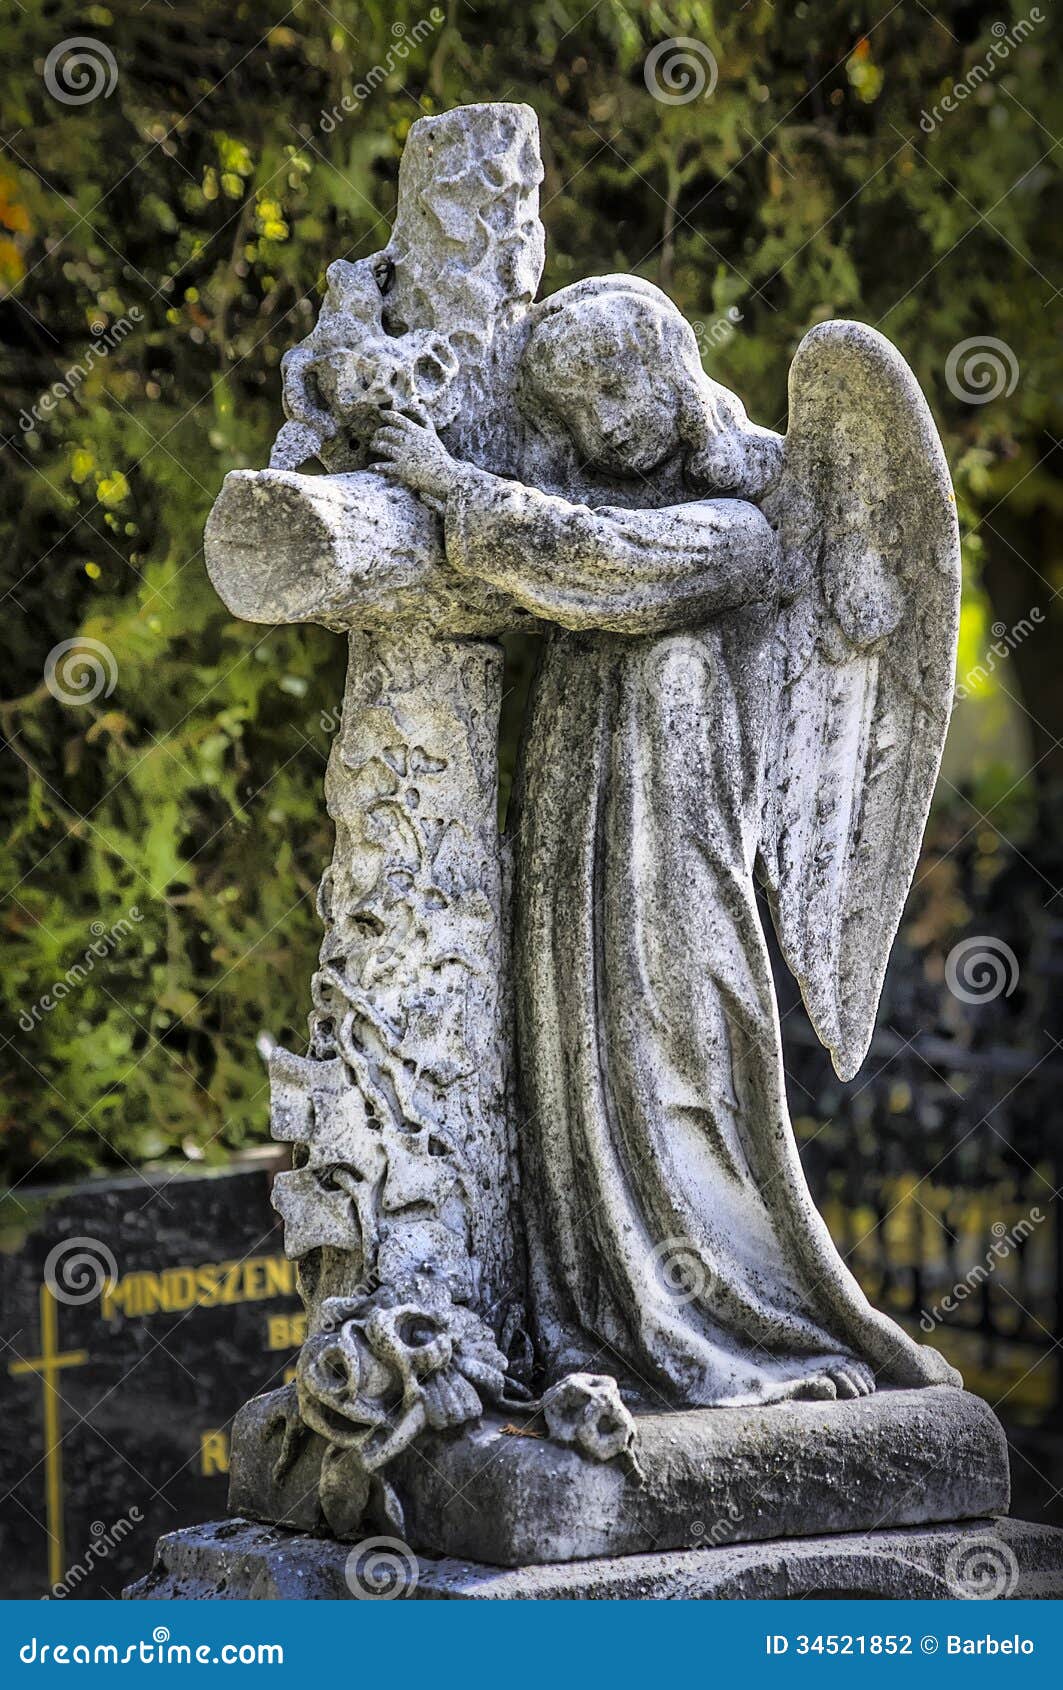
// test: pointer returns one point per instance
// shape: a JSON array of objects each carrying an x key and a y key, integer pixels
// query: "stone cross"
[{"x": 404, "y": 1159}]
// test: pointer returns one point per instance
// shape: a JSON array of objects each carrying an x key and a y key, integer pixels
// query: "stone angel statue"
[
  {"x": 746, "y": 674},
  {"x": 563, "y": 1276}
]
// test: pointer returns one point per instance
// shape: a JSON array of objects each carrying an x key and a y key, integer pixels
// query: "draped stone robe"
[{"x": 672, "y": 1237}]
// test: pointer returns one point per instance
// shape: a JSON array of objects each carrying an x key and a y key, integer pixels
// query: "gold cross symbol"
[{"x": 48, "y": 1365}]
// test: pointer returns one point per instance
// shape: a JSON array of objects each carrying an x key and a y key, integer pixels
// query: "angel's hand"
[{"x": 414, "y": 454}]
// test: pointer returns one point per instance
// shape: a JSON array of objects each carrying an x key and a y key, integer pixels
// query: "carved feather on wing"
[{"x": 864, "y": 669}]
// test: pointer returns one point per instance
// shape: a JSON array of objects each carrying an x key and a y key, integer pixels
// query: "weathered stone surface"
[
  {"x": 346, "y": 551},
  {"x": 400, "y": 1207},
  {"x": 434, "y": 323},
  {"x": 716, "y": 1476},
  {"x": 1006, "y": 1560}
]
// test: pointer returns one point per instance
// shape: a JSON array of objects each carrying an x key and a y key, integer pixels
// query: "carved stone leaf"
[
  {"x": 299, "y": 1091},
  {"x": 314, "y": 1215}
]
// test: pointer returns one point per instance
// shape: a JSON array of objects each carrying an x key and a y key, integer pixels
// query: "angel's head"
[{"x": 618, "y": 366}]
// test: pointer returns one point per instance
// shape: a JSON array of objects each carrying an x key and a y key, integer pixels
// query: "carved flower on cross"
[
  {"x": 586, "y": 1409},
  {"x": 391, "y": 1366}
]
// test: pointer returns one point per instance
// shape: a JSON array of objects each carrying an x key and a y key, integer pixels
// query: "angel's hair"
[{"x": 563, "y": 368}]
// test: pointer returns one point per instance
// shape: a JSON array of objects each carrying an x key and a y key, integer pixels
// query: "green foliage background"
[{"x": 205, "y": 194}]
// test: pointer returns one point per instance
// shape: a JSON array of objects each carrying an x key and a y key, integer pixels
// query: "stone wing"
[{"x": 864, "y": 670}]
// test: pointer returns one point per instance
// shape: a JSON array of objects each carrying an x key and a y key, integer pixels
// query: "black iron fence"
[{"x": 938, "y": 1168}]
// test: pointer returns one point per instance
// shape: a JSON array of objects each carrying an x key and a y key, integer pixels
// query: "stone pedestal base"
[
  {"x": 236, "y": 1560},
  {"x": 503, "y": 1493}
]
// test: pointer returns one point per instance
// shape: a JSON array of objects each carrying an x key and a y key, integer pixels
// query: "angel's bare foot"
[
  {"x": 915, "y": 1365},
  {"x": 845, "y": 1379}
]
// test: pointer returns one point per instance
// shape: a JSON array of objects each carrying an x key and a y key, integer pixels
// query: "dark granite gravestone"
[{"x": 136, "y": 1316}]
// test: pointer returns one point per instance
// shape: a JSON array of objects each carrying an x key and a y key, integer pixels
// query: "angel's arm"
[
  {"x": 628, "y": 572},
  {"x": 624, "y": 571}
]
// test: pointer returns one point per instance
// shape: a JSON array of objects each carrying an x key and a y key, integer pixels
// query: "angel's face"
[
  {"x": 599, "y": 369},
  {"x": 623, "y": 418}
]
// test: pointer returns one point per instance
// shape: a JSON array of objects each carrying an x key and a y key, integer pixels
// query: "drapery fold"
[{"x": 672, "y": 1236}]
